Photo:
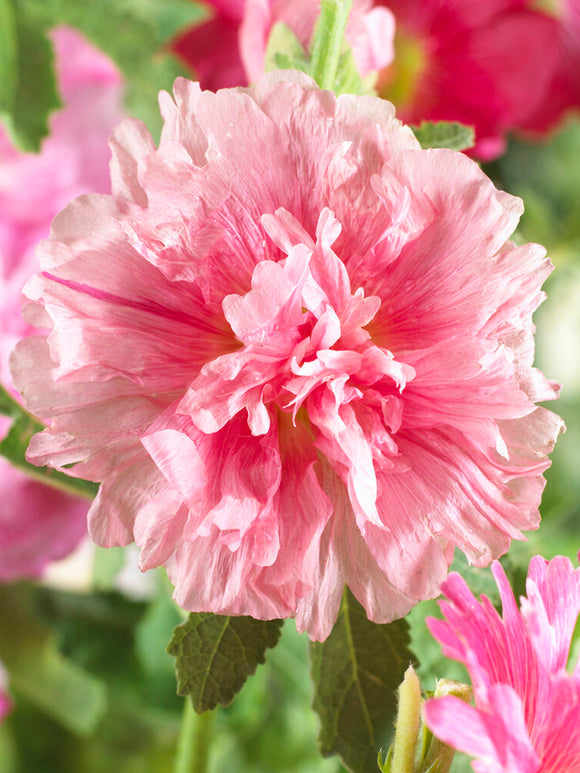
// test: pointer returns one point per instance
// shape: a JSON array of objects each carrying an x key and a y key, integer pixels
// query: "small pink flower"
[
  {"x": 526, "y": 717},
  {"x": 297, "y": 351},
  {"x": 39, "y": 524},
  {"x": 486, "y": 64},
  {"x": 229, "y": 49}
]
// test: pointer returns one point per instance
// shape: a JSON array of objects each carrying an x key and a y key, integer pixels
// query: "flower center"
[
  {"x": 551, "y": 7},
  {"x": 304, "y": 340},
  {"x": 399, "y": 81}
]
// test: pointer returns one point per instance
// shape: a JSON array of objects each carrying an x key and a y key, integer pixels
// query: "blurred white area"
[{"x": 76, "y": 573}]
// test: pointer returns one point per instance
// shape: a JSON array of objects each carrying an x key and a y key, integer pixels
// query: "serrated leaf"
[
  {"x": 215, "y": 655},
  {"x": 40, "y": 673},
  {"x": 445, "y": 134},
  {"x": 31, "y": 93},
  {"x": 14, "y": 444},
  {"x": 356, "y": 673}
]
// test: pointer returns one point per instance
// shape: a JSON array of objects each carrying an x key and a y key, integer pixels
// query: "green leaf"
[
  {"x": 133, "y": 34},
  {"x": 356, "y": 673},
  {"x": 29, "y": 94},
  {"x": 40, "y": 673},
  {"x": 8, "y": 56},
  {"x": 445, "y": 134},
  {"x": 168, "y": 17},
  {"x": 216, "y": 654},
  {"x": 13, "y": 447}
]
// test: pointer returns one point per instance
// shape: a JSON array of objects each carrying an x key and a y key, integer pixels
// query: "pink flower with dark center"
[
  {"x": 229, "y": 48},
  {"x": 297, "y": 351},
  {"x": 526, "y": 717},
  {"x": 37, "y": 523},
  {"x": 485, "y": 64}
]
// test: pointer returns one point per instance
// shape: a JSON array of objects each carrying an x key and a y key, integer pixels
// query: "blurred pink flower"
[
  {"x": 563, "y": 92},
  {"x": 487, "y": 64},
  {"x": 229, "y": 48},
  {"x": 39, "y": 524},
  {"x": 5, "y": 700},
  {"x": 297, "y": 350},
  {"x": 526, "y": 717}
]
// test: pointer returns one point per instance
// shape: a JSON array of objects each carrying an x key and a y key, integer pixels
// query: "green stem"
[
  {"x": 328, "y": 40},
  {"x": 194, "y": 740},
  {"x": 13, "y": 447}
]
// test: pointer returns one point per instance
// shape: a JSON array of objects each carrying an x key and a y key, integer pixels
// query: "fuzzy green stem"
[
  {"x": 328, "y": 40},
  {"x": 194, "y": 740},
  {"x": 408, "y": 722}
]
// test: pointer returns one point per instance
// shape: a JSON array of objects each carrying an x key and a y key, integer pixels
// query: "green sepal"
[
  {"x": 445, "y": 134},
  {"x": 215, "y": 654},
  {"x": 284, "y": 51}
]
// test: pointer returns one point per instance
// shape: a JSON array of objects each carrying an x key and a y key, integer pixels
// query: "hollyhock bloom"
[
  {"x": 526, "y": 717},
  {"x": 563, "y": 92},
  {"x": 38, "y": 524},
  {"x": 229, "y": 48},
  {"x": 297, "y": 351},
  {"x": 487, "y": 64}
]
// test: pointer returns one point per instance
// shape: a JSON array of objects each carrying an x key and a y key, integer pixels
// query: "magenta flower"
[
  {"x": 563, "y": 92},
  {"x": 485, "y": 64},
  {"x": 38, "y": 524},
  {"x": 526, "y": 717},
  {"x": 229, "y": 49},
  {"x": 297, "y": 351}
]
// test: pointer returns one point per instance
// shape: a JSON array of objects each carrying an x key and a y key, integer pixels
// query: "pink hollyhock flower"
[
  {"x": 563, "y": 92},
  {"x": 229, "y": 48},
  {"x": 526, "y": 717},
  {"x": 297, "y": 350},
  {"x": 487, "y": 64},
  {"x": 39, "y": 524}
]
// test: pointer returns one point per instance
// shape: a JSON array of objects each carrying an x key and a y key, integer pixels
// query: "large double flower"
[{"x": 297, "y": 351}]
